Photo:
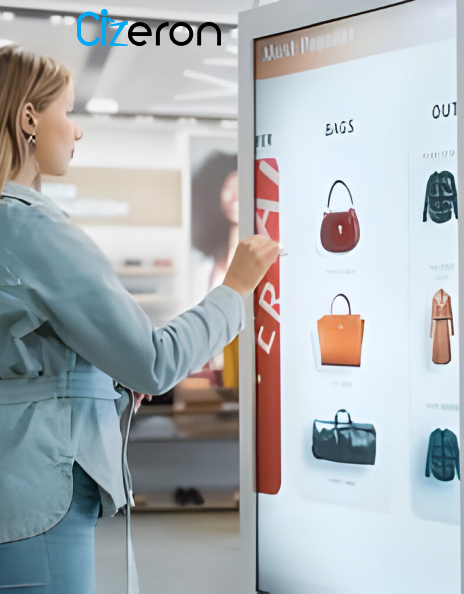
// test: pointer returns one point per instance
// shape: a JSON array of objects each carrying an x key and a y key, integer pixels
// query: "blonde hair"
[{"x": 24, "y": 77}]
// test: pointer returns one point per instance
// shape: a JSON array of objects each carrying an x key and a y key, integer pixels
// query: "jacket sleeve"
[
  {"x": 426, "y": 202},
  {"x": 456, "y": 457},
  {"x": 429, "y": 455},
  {"x": 73, "y": 286}
]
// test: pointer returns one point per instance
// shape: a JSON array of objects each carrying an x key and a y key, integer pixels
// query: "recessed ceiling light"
[
  {"x": 233, "y": 49},
  {"x": 221, "y": 62},
  {"x": 56, "y": 19},
  {"x": 234, "y": 33},
  {"x": 69, "y": 20},
  {"x": 8, "y": 16},
  {"x": 102, "y": 105}
]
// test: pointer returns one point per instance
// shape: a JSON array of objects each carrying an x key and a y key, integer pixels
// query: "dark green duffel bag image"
[
  {"x": 344, "y": 442},
  {"x": 443, "y": 455}
]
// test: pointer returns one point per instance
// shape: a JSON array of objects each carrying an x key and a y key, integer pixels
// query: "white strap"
[{"x": 132, "y": 576}]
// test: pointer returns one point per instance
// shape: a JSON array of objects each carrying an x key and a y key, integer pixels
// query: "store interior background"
[{"x": 151, "y": 116}]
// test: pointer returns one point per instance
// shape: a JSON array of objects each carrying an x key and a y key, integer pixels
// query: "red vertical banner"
[{"x": 267, "y": 333}]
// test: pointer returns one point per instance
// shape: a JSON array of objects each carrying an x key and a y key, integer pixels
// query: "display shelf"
[
  {"x": 214, "y": 501},
  {"x": 214, "y": 431},
  {"x": 188, "y": 439},
  {"x": 130, "y": 271},
  {"x": 175, "y": 426},
  {"x": 171, "y": 409}
]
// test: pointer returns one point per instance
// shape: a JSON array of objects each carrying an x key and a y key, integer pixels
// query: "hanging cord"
[{"x": 132, "y": 578}]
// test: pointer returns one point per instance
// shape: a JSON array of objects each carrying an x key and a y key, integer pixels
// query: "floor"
[{"x": 176, "y": 553}]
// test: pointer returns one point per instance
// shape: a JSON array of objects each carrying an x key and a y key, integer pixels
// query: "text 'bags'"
[
  {"x": 341, "y": 337},
  {"x": 340, "y": 230},
  {"x": 348, "y": 443}
]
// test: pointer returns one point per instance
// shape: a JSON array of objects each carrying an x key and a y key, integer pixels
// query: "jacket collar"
[{"x": 27, "y": 193}]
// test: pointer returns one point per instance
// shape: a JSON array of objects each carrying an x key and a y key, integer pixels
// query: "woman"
[
  {"x": 71, "y": 337},
  {"x": 214, "y": 233},
  {"x": 214, "y": 219}
]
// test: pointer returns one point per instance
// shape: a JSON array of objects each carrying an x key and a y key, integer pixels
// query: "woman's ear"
[{"x": 29, "y": 119}]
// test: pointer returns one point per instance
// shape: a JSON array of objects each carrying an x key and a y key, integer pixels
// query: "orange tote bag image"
[{"x": 341, "y": 337}]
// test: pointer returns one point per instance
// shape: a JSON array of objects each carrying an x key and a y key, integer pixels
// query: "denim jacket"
[{"x": 71, "y": 336}]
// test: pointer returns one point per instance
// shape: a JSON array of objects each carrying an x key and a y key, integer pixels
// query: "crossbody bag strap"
[{"x": 15, "y": 198}]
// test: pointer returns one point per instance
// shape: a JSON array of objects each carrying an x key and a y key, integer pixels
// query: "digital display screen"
[{"x": 357, "y": 345}]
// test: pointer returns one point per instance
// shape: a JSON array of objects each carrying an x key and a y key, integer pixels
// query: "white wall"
[
  {"x": 131, "y": 143},
  {"x": 117, "y": 142}
]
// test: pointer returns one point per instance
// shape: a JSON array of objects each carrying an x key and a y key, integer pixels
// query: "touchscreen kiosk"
[{"x": 356, "y": 327}]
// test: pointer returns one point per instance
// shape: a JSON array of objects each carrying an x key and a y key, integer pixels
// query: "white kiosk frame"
[{"x": 272, "y": 19}]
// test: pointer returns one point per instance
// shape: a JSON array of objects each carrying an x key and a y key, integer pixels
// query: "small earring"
[{"x": 32, "y": 138}]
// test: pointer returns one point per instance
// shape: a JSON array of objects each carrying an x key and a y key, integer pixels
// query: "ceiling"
[
  {"x": 165, "y": 80},
  {"x": 223, "y": 11}
]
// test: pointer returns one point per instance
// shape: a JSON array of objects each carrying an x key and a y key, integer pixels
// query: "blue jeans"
[{"x": 61, "y": 560}]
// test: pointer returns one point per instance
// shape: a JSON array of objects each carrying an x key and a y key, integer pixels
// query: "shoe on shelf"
[
  {"x": 181, "y": 496},
  {"x": 194, "y": 496}
]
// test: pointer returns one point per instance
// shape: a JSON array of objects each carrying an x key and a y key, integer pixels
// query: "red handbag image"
[{"x": 340, "y": 230}]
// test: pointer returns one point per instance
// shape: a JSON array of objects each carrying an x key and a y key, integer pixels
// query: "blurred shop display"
[
  {"x": 149, "y": 283},
  {"x": 118, "y": 196},
  {"x": 135, "y": 218},
  {"x": 65, "y": 196},
  {"x": 191, "y": 444},
  {"x": 183, "y": 448},
  {"x": 199, "y": 434}
]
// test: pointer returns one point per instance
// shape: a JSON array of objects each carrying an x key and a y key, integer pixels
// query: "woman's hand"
[
  {"x": 253, "y": 258},
  {"x": 138, "y": 400}
]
